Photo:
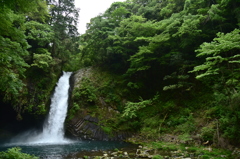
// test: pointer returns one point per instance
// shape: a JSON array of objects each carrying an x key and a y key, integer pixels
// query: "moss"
[
  {"x": 205, "y": 157},
  {"x": 192, "y": 149},
  {"x": 107, "y": 130},
  {"x": 183, "y": 149},
  {"x": 157, "y": 157},
  {"x": 72, "y": 111}
]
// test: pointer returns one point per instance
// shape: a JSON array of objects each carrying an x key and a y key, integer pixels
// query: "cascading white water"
[{"x": 53, "y": 129}]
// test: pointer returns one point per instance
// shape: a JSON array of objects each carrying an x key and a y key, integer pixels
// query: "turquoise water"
[{"x": 64, "y": 151}]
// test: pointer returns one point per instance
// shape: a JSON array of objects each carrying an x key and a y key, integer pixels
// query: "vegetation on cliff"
[
  {"x": 178, "y": 61},
  {"x": 37, "y": 40},
  {"x": 169, "y": 66}
]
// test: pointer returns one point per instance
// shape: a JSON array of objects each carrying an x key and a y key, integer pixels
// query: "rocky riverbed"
[{"x": 159, "y": 151}]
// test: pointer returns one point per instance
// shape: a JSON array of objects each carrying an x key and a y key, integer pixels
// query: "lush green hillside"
[
  {"x": 179, "y": 65},
  {"x": 168, "y": 67}
]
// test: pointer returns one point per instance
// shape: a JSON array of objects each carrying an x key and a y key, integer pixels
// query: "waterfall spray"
[{"x": 53, "y": 128}]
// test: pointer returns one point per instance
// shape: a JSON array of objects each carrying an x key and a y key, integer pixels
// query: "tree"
[
  {"x": 13, "y": 50},
  {"x": 220, "y": 72},
  {"x": 222, "y": 59},
  {"x": 64, "y": 19},
  {"x": 21, "y": 31}
]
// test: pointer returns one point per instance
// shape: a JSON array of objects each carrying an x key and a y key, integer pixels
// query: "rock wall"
[
  {"x": 86, "y": 124},
  {"x": 87, "y": 127}
]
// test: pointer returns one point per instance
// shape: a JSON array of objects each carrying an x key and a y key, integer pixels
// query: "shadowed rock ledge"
[{"x": 87, "y": 127}]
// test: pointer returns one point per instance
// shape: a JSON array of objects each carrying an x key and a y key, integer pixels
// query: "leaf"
[
  {"x": 42, "y": 59},
  {"x": 218, "y": 53}
]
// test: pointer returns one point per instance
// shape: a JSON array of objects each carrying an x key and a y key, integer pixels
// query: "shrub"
[
  {"x": 207, "y": 133},
  {"x": 15, "y": 153}
]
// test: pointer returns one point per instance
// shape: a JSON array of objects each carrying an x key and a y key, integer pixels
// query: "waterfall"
[{"x": 53, "y": 128}]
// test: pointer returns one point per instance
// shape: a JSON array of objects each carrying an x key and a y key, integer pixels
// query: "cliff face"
[
  {"x": 11, "y": 126},
  {"x": 85, "y": 126},
  {"x": 92, "y": 114}
]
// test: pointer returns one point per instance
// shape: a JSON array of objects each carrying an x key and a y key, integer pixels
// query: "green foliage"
[
  {"x": 15, "y": 153},
  {"x": 165, "y": 146},
  {"x": 13, "y": 50},
  {"x": 230, "y": 118},
  {"x": 205, "y": 157},
  {"x": 73, "y": 110},
  {"x": 180, "y": 79},
  {"x": 22, "y": 6},
  {"x": 74, "y": 63},
  {"x": 41, "y": 33},
  {"x": 158, "y": 157},
  {"x": 87, "y": 91},
  {"x": 100, "y": 94},
  {"x": 36, "y": 109},
  {"x": 131, "y": 108},
  {"x": 107, "y": 130},
  {"x": 188, "y": 125},
  {"x": 221, "y": 53},
  {"x": 207, "y": 133},
  {"x": 146, "y": 47},
  {"x": 221, "y": 64},
  {"x": 185, "y": 137},
  {"x": 33, "y": 49},
  {"x": 200, "y": 151},
  {"x": 42, "y": 59},
  {"x": 152, "y": 45},
  {"x": 63, "y": 22}
]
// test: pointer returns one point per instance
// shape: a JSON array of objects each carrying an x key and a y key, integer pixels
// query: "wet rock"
[
  {"x": 114, "y": 154},
  {"x": 142, "y": 153},
  {"x": 125, "y": 154},
  {"x": 105, "y": 155}
]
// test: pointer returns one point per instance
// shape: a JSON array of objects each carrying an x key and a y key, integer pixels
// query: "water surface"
[{"x": 68, "y": 150}]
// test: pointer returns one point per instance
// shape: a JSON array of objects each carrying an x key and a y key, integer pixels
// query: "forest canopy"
[{"x": 178, "y": 56}]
